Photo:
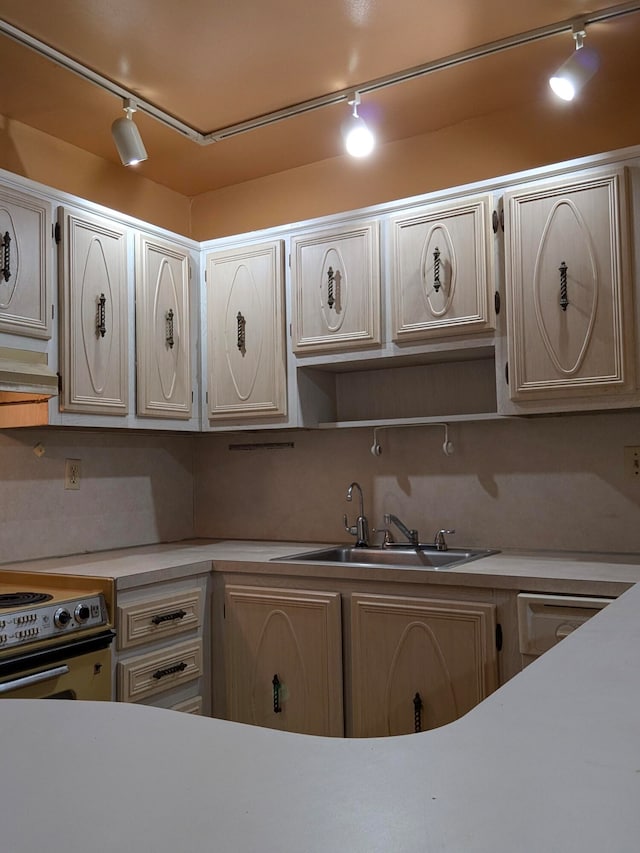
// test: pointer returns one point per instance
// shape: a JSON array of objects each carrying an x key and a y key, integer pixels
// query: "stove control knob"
[
  {"x": 61, "y": 617},
  {"x": 82, "y": 613}
]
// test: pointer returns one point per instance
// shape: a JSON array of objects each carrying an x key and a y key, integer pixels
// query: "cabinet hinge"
[
  {"x": 56, "y": 232},
  {"x": 290, "y": 331},
  {"x": 495, "y": 221},
  {"x": 506, "y": 372},
  {"x": 192, "y": 396},
  {"x": 205, "y": 275},
  {"x": 496, "y": 302},
  {"x": 59, "y": 383},
  {"x": 499, "y": 637},
  {"x": 289, "y": 260}
]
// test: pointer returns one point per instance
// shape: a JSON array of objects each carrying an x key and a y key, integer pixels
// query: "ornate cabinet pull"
[
  {"x": 242, "y": 333},
  {"x": 169, "y": 328},
  {"x": 101, "y": 324},
  {"x": 563, "y": 286},
  {"x": 276, "y": 694},
  {"x": 436, "y": 270},
  {"x": 168, "y": 617},
  {"x": 417, "y": 713},
  {"x": 170, "y": 670},
  {"x": 331, "y": 283},
  {"x": 5, "y": 244}
]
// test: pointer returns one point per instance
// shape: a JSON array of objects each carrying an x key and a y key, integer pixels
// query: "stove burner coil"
[{"x": 22, "y": 599}]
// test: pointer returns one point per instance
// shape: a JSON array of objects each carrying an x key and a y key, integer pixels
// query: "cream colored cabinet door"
[
  {"x": 247, "y": 378},
  {"x": 93, "y": 322},
  {"x": 163, "y": 342},
  {"x": 335, "y": 289},
  {"x": 25, "y": 275},
  {"x": 442, "y": 279},
  {"x": 418, "y": 663},
  {"x": 569, "y": 299},
  {"x": 283, "y": 654}
]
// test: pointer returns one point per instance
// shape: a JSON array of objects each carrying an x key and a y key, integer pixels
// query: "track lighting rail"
[{"x": 218, "y": 134}]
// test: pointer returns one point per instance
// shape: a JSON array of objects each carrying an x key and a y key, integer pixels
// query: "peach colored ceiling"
[{"x": 215, "y": 63}]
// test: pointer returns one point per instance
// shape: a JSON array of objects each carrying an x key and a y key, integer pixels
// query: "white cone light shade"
[
  {"x": 128, "y": 141},
  {"x": 574, "y": 73}
]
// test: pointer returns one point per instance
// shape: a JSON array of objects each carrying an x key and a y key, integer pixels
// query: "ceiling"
[{"x": 213, "y": 64}]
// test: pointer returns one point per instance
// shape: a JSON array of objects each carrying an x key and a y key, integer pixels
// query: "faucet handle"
[
  {"x": 439, "y": 541},
  {"x": 352, "y": 530}
]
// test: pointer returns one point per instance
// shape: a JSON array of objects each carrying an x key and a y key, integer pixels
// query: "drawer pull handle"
[
  {"x": 168, "y": 617},
  {"x": 170, "y": 670},
  {"x": 169, "y": 328},
  {"x": 101, "y": 319},
  {"x": 5, "y": 243},
  {"x": 331, "y": 282},
  {"x": 276, "y": 694},
  {"x": 437, "y": 284},
  {"x": 417, "y": 713},
  {"x": 564, "y": 301}
]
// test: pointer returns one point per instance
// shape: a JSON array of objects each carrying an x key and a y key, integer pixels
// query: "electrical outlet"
[
  {"x": 632, "y": 462},
  {"x": 72, "y": 473}
]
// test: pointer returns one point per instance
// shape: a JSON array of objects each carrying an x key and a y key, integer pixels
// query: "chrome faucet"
[
  {"x": 411, "y": 535},
  {"x": 361, "y": 528},
  {"x": 440, "y": 542}
]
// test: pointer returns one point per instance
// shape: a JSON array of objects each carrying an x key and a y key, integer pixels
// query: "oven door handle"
[{"x": 34, "y": 678}]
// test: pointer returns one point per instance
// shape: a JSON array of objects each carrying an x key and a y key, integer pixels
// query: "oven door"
[{"x": 76, "y": 670}]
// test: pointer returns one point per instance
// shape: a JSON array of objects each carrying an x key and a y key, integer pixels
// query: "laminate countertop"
[
  {"x": 549, "y": 762},
  {"x": 562, "y": 572}
]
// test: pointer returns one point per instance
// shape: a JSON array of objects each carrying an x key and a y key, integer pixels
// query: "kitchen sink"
[{"x": 396, "y": 557}]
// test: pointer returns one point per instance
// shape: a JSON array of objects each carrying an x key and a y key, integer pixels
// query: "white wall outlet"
[
  {"x": 72, "y": 473},
  {"x": 632, "y": 462}
]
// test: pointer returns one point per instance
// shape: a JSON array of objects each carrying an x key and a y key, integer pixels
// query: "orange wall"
[
  {"x": 40, "y": 157},
  {"x": 478, "y": 149}
]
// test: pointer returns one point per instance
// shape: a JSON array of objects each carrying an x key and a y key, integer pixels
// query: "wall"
[
  {"x": 135, "y": 489},
  {"x": 479, "y": 149},
  {"x": 39, "y": 157},
  {"x": 542, "y": 483}
]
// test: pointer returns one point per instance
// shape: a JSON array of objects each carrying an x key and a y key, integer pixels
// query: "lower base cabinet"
[
  {"x": 418, "y": 663},
  {"x": 283, "y": 655}
]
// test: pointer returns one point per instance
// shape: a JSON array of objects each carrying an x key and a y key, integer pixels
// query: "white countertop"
[
  {"x": 549, "y": 763},
  {"x": 156, "y": 563}
]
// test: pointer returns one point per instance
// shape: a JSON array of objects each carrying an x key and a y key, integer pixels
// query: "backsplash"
[
  {"x": 135, "y": 489},
  {"x": 542, "y": 483},
  {"x": 535, "y": 483}
]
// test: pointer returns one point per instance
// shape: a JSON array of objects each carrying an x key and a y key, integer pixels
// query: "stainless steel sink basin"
[{"x": 396, "y": 557}]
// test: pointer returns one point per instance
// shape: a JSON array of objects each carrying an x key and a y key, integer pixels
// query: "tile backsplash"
[
  {"x": 554, "y": 483},
  {"x": 135, "y": 489}
]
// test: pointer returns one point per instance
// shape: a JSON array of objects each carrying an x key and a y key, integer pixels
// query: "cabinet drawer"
[
  {"x": 544, "y": 620},
  {"x": 145, "y": 621},
  {"x": 189, "y": 706},
  {"x": 146, "y": 675}
]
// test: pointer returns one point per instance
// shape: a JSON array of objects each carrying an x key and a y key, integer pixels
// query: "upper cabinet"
[
  {"x": 247, "y": 379},
  {"x": 335, "y": 289},
  {"x": 569, "y": 290},
  {"x": 93, "y": 314},
  {"x": 163, "y": 341},
  {"x": 442, "y": 273},
  {"x": 25, "y": 275}
]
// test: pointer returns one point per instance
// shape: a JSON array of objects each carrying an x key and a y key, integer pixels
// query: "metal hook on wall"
[{"x": 447, "y": 446}]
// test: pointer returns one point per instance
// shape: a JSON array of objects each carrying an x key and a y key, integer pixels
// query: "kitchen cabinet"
[
  {"x": 162, "y": 656},
  {"x": 335, "y": 288},
  {"x": 93, "y": 315},
  {"x": 25, "y": 273},
  {"x": 442, "y": 272},
  {"x": 283, "y": 656},
  {"x": 247, "y": 378},
  {"x": 418, "y": 663},
  {"x": 569, "y": 299},
  {"x": 163, "y": 341}
]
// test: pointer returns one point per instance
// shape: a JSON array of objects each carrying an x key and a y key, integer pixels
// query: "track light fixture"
[
  {"x": 127, "y": 137},
  {"x": 359, "y": 140},
  {"x": 578, "y": 69}
]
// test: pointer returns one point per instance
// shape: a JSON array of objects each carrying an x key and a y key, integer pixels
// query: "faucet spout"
[
  {"x": 361, "y": 528},
  {"x": 411, "y": 535}
]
